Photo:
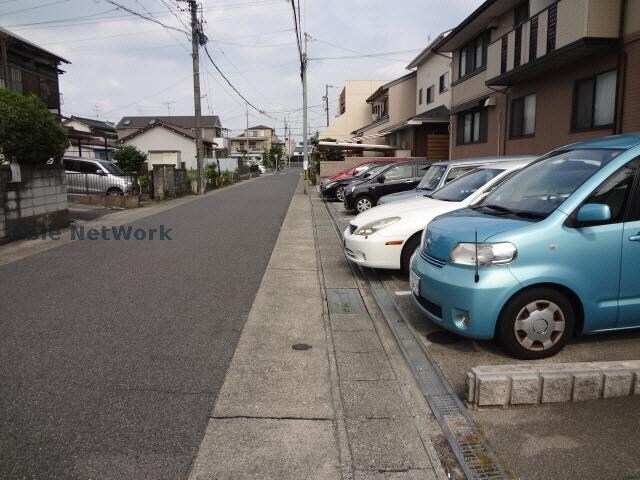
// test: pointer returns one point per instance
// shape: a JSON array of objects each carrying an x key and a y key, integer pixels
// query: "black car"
[
  {"x": 398, "y": 177},
  {"x": 335, "y": 189}
]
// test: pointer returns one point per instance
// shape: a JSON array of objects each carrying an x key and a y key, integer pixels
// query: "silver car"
[{"x": 96, "y": 176}]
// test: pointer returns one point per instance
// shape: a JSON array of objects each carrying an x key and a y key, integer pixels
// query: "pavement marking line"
[{"x": 402, "y": 293}]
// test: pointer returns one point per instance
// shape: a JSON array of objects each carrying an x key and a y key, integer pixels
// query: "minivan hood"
[{"x": 446, "y": 231}]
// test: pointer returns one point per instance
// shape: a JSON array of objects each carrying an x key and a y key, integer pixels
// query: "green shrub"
[
  {"x": 29, "y": 134},
  {"x": 129, "y": 159}
]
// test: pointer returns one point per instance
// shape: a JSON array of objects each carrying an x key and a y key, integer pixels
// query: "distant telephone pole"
[
  {"x": 168, "y": 104},
  {"x": 305, "y": 140},
  {"x": 197, "y": 38}
]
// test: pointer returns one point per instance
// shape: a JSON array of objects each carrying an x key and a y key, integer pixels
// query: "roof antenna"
[{"x": 477, "y": 277}]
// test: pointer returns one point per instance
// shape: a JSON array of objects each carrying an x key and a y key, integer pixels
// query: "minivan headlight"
[
  {"x": 488, "y": 253},
  {"x": 373, "y": 227},
  {"x": 330, "y": 184}
]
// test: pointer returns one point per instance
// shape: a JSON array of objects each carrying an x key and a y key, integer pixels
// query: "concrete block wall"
[
  {"x": 35, "y": 204},
  {"x": 527, "y": 384},
  {"x": 329, "y": 168}
]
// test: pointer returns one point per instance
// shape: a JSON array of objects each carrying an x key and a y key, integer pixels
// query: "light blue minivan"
[{"x": 553, "y": 251}]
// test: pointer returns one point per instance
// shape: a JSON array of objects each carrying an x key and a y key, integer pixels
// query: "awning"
[{"x": 354, "y": 146}]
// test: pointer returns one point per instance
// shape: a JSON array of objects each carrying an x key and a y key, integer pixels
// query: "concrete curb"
[{"x": 529, "y": 384}]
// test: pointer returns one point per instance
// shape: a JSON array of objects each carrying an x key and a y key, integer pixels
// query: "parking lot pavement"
[{"x": 579, "y": 440}]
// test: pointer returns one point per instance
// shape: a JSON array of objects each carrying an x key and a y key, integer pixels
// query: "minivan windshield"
[
  {"x": 111, "y": 168},
  {"x": 432, "y": 178},
  {"x": 540, "y": 188},
  {"x": 460, "y": 188}
]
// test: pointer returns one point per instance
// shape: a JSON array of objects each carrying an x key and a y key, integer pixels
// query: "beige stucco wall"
[
  {"x": 428, "y": 73},
  {"x": 357, "y": 111},
  {"x": 632, "y": 18},
  {"x": 402, "y": 104}
]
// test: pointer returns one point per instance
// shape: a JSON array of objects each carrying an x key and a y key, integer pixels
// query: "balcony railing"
[{"x": 575, "y": 26}]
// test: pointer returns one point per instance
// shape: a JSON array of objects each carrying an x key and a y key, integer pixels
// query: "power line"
[
  {"x": 368, "y": 55},
  {"x": 234, "y": 88},
  {"x": 298, "y": 39},
  {"x": 151, "y": 19},
  {"x": 36, "y": 7}
]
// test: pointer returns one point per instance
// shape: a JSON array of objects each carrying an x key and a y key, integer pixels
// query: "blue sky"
[{"x": 124, "y": 65}]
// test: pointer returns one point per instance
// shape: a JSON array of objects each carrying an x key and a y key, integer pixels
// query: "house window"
[
  {"x": 253, "y": 133},
  {"x": 444, "y": 82},
  {"x": 473, "y": 56},
  {"x": 253, "y": 145},
  {"x": 420, "y": 97},
  {"x": 430, "y": 94},
  {"x": 472, "y": 126},
  {"x": 594, "y": 102},
  {"x": 523, "y": 116}
]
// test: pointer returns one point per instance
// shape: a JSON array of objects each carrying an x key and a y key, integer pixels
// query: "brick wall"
[{"x": 37, "y": 203}]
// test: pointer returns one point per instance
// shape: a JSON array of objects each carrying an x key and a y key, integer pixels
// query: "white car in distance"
[{"x": 386, "y": 236}]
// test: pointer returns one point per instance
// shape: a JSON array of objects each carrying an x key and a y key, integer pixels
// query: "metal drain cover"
[
  {"x": 301, "y": 346},
  {"x": 443, "y": 337}
]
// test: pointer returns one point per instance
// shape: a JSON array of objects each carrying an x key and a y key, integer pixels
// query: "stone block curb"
[{"x": 534, "y": 383}]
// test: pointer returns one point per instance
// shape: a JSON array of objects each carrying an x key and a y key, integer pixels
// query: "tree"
[
  {"x": 29, "y": 134},
  {"x": 276, "y": 152},
  {"x": 129, "y": 159}
]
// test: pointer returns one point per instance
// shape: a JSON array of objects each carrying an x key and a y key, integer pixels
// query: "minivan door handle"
[{"x": 635, "y": 238}]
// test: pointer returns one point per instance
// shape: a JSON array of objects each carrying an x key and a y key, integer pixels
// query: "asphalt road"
[{"x": 112, "y": 352}]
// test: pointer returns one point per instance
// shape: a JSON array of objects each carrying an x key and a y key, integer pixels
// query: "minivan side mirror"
[
  {"x": 99, "y": 172},
  {"x": 594, "y": 213},
  {"x": 381, "y": 179}
]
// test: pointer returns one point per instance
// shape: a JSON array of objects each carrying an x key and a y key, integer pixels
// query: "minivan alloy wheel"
[
  {"x": 536, "y": 323},
  {"x": 539, "y": 325},
  {"x": 340, "y": 194}
]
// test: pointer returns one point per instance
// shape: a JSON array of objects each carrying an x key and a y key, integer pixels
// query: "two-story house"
[
  {"x": 392, "y": 104},
  {"x": 30, "y": 69},
  {"x": 530, "y": 76},
  {"x": 252, "y": 142},
  {"x": 430, "y": 125},
  {"x": 353, "y": 110}
]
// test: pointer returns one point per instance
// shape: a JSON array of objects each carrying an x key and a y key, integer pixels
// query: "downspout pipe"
[{"x": 622, "y": 68}]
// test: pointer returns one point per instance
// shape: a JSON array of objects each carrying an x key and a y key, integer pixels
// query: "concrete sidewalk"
[{"x": 345, "y": 408}]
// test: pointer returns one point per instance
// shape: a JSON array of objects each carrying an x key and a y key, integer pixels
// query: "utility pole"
[
  {"x": 305, "y": 139},
  {"x": 168, "y": 104},
  {"x": 246, "y": 130},
  {"x": 197, "y": 38},
  {"x": 326, "y": 99}
]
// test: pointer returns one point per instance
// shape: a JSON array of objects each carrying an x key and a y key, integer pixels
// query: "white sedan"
[{"x": 386, "y": 236}]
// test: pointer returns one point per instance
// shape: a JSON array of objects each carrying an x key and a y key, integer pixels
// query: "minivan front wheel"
[
  {"x": 364, "y": 203},
  {"x": 536, "y": 323},
  {"x": 115, "y": 191},
  {"x": 340, "y": 193}
]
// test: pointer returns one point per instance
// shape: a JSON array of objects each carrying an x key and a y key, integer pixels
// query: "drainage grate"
[{"x": 476, "y": 459}]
